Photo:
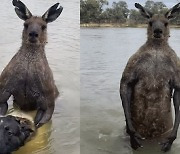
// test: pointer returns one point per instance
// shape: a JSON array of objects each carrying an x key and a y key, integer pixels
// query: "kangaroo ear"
[
  {"x": 21, "y": 10},
  {"x": 143, "y": 11},
  {"x": 52, "y": 13},
  {"x": 170, "y": 13}
]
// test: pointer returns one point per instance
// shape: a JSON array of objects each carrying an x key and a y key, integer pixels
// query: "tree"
[
  {"x": 120, "y": 10},
  {"x": 136, "y": 18},
  {"x": 118, "y": 13},
  {"x": 91, "y": 10},
  {"x": 155, "y": 7}
]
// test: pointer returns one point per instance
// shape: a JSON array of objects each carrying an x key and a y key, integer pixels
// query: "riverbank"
[
  {"x": 116, "y": 25},
  {"x": 108, "y": 25}
]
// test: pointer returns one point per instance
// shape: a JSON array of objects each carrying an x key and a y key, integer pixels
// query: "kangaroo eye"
[
  {"x": 166, "y": 24},
  {"x": 26, "y": 26},
  {"x": 44, "y": 27},
  {"x": 150, "y": 23}
]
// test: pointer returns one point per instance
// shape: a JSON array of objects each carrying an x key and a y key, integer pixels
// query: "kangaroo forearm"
[
  {"x": 3, "y": 108},
  {"x": 4, "y": 96},
  {"x": 176, "y": 101},
  {"x": 125, "y": 93}
]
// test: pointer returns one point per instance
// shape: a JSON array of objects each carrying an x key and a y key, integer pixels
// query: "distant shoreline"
[{"x": 115, "y": 25}]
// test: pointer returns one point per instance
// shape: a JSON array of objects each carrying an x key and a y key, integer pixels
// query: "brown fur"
[
  {"x": 37, "y": 24},
  {"x": 28, "y": 76},
  {"x": 155, "y": 67}
]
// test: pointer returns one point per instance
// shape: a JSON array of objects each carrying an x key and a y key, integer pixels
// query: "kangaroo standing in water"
[
  {"x": 28, "y": 76},
  {"x": 150, "y": 79}
]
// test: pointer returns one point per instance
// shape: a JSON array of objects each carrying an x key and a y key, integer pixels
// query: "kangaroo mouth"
[
  {"x": 157, "y": 36},
  {"x": 33, "y": 40}
]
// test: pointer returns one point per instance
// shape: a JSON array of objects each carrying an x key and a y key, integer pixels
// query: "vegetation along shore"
[{"x": 98, "y": 13}]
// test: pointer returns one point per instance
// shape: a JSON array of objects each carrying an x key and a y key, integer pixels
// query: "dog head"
[{"x": 14, "y": 131}]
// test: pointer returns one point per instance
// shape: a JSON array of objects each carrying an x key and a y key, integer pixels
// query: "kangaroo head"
[
  {"x": 35, "y": 28},
  {"x": 158, "y": 24}
]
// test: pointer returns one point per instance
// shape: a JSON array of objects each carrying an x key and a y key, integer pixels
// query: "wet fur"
[
  {"x": 28, "y": 76},
  {"x": 147, "y": 85},
  {"x": 15, "y": 132},
  {"x": 155, "y": 68}
]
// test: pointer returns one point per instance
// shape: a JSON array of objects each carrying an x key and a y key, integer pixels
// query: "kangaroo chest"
[
  {"x": 29, "y": 82},
  {"x": 155, "y": 69},
  {"x": 152, "y": 93}
]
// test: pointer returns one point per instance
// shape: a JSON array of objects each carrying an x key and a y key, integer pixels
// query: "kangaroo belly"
[
  {"x": 151, "y": 107},
  {"x": 25, "y": 103},
  {"x": 26, "y": 95}
]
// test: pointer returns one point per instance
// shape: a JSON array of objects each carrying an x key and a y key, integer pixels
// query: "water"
[
  {"x": 61, "y": 136},
  {"x": 104, "y": 54}
]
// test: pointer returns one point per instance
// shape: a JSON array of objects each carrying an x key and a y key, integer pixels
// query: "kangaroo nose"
[
  {"x": 158, "y": 31},
  {"x": 33, "y": 34}
]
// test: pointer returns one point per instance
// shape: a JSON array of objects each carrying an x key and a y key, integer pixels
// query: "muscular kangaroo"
[
  {"x": 28, "y": 76},
  {"x": 150, "y": 79}
]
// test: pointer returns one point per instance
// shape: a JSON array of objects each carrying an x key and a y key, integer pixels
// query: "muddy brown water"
[
  {"x": 104, "y": 54},
  {"x": 61, "y": 135}
]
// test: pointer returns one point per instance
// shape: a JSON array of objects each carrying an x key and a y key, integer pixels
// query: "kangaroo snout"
[
  {"x": 33, "y": 34},
  {"x": 158, "y": 33}
]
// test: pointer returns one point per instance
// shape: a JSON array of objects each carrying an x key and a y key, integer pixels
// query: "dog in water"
[{"x": 14, "y": 133}]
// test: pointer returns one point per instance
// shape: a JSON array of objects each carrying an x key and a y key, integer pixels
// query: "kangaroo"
[
  {"x": 151, "y": 77},
  {"x": 28, "y": 77}
]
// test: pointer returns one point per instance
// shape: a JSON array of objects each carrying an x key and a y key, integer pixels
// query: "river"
[{"x": 104, "y": 55}]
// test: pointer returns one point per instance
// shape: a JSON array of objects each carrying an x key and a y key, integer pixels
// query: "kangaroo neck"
[
  {"x": 33, "y": 48},
  {"x": 32, "y": 53},
  {"x": 157, "y": 42}
]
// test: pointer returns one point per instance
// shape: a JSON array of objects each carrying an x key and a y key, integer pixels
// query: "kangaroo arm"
[
  {"x": 176, "y": 101},
  {"x": 4, "y": 96},
  {"x": 126, "y": 94},
  {"x": 168, "y": 143}
]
